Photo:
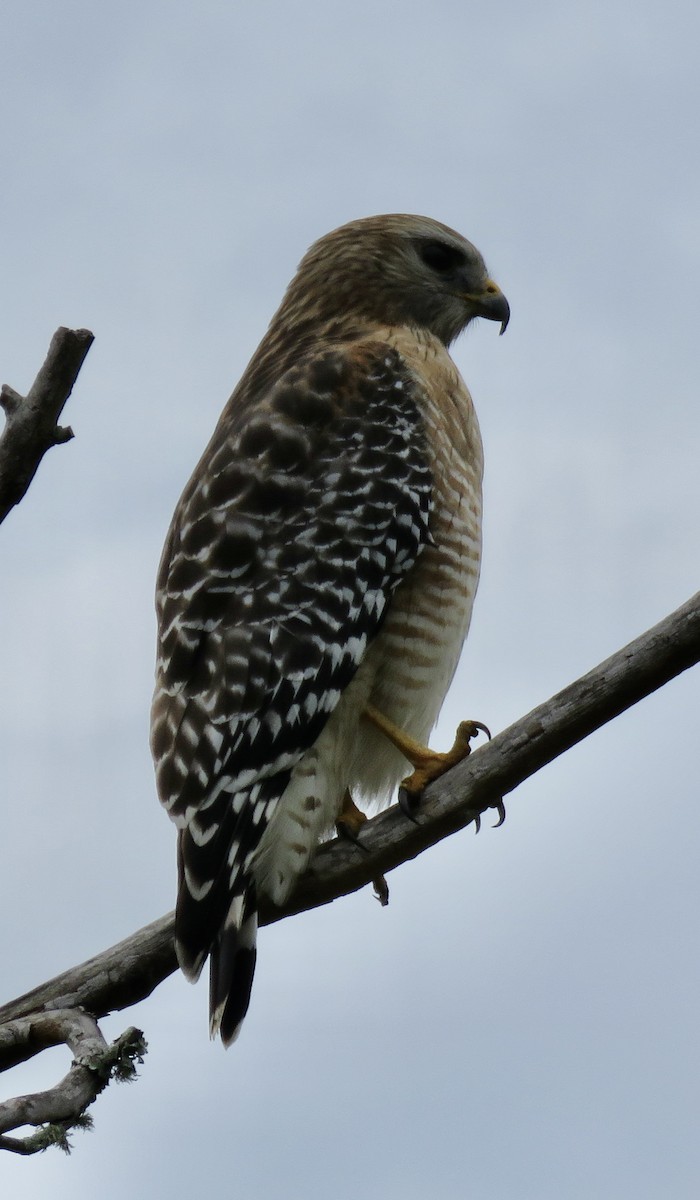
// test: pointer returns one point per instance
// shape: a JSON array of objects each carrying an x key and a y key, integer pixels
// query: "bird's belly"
[{"x": 414, "y": 659}]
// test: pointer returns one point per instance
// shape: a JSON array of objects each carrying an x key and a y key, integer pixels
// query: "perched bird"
[{"x": 317, "y": 581}]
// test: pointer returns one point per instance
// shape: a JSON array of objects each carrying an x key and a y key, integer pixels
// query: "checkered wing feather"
[{"x": 307, "y": 509}]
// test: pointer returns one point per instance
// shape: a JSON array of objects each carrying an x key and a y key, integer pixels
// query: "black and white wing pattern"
[{"x": 304, "y": 514}]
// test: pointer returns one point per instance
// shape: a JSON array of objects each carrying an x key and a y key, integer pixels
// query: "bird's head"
[{"x": 397, "y": 270}]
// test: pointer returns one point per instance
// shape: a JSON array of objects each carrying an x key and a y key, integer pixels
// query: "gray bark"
[{"x": 31, "y": 421}]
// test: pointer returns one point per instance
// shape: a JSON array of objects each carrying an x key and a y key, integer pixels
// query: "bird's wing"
[{"x": 301, "y": 519}]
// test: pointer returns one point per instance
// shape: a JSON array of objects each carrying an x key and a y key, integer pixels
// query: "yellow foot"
[
  {"x": 427, "y": 764},
  {"x": 349, "y": 822}
]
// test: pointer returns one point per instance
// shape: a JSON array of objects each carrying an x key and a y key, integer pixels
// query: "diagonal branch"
[
  {"x": 31, "y": 426},
  {"x": 129, "y": 971}
]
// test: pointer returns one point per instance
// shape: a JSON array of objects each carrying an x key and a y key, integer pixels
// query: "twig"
[{"x": 31, "y": 426}]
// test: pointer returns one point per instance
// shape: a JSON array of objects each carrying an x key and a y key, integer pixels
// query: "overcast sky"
[{"x": 521, "y": 1022}]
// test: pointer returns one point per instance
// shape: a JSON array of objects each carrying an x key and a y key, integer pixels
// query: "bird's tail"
[
  {"x": 232, "y": 967},
  {"x": 212, "y": 921}
]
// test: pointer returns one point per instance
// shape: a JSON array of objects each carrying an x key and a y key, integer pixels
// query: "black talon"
[
  {"x": 483, "y": 728},
  {"x": 477, "y": 823},
  {"x": 408, "y": 805},
  {"x": 501, "y": 810},
  {"x": 344, "y": 831}
]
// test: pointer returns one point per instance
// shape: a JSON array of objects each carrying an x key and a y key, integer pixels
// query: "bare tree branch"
[
  {"x": 129, "y": 971},
  {"x": 31, "y": 421},
  {"x": 63, "y": 1106}
]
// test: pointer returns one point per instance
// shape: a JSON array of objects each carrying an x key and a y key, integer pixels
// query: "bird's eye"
[{"x": 440, "y": 256}]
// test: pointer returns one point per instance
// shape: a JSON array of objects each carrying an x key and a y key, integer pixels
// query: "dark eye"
[{"x": 440, "y": 256}]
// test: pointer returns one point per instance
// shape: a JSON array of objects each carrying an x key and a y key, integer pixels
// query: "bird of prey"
[{"x": 317, "y": 580}]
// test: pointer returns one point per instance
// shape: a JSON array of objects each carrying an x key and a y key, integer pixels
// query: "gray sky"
[{"x": 521, "y": 1022}]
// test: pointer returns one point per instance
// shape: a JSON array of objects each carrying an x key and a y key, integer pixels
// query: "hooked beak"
[{"x": 490, "y": 302}]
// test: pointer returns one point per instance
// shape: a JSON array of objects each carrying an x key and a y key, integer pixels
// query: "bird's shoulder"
[
  {"x": 331, "y": 467},
  {"x": 329, "y": 402}
]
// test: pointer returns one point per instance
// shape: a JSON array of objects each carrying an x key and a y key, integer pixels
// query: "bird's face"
[
  {"x": 402, "y": 269},
  {"x": 451, "y": 284}
]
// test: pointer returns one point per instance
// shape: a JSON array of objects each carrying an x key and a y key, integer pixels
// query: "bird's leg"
[
  {"x": 348, "y": 823},
  {"x": 350, "y": 820},
  {"x": 427, "y": 764}
]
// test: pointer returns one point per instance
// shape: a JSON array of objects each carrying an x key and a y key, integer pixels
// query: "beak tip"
[{"x": 494, "y": 306}]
